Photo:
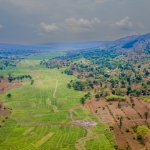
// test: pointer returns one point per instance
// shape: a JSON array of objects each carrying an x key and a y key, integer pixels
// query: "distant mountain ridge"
[
  {"x": 55, "y": 46},
  {"x": 138, "y": 42}
]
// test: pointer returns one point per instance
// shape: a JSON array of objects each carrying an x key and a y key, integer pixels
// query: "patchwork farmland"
[{"x": 37, "y": 116}]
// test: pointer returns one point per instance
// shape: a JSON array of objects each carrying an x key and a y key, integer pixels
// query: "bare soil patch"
[
  {"x": 4, "y": 113},
  {"x": 105, "y": 116},
  {"x": 119, "y": 137},
  {"x": 5, "y": 85}
]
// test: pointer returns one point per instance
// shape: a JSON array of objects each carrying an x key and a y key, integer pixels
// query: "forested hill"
[{"x": 137, "y": 42}]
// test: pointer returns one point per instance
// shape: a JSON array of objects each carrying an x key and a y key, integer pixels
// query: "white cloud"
[
  {"x": 1, "y": 26},
  {"x": 81, "y": 25},
  {"x": 124, "y": 24},
  {"x": 70, "y": 24},
  {"x": 49, "y": 28}
]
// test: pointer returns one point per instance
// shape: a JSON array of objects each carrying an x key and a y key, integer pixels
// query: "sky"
[{"x": 47, "y": 21}]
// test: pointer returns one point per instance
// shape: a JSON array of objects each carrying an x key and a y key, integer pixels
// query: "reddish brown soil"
[
  {"x": 109, "y": 113},
  {"x": 119, "y": 137},
  {"x": 5, "y": 85},
  {"x": 4, "y": 111}
]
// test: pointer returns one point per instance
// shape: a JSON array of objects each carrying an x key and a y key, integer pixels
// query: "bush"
[
  {"x": 127, "y": 130},
  {"x": 8, "y": 95},
  {"x": 135, "y": 128},
  {"x": 116, "y": 147},
  {"x": 115, "y": 97},
  {"x": 128, "y": 118},
  {"x": 111, "y": 127},
  {"x": 139, "y": 137}
]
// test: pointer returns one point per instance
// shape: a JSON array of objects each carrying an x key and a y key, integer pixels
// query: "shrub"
[
  {"x": 115, "y": 97},
  {"x": 111, "y": 127},
  {"x": 127, "y": 130},
  {"x": 116, "y": 147}
]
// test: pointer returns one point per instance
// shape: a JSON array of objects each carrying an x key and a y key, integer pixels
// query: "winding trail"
[
  {"x": 10, "y": 86},
  {"x": 81, "y": 143},
  {"x": 54, "y": 95}
]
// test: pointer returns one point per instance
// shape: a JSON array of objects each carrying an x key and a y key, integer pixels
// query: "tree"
[
  {"x": 142, "y": 132},
  {"x": 120, "y": 121},
  {"x": 8, "y": 95},
  {"x": 97, "y": 96},
  {"x": 88, "y": 95},
  {"x": 129, "y": 89},
  {"x": 131, "y": 99},
  {"x": 146, "y": 115},
  {"x": 119, "y": 104},
  {"x": 146, "y": 73},
  {"x": 139, "y": 66},
  {"x": 69, "y": 85},
  {"x": 113, "y": 92},
  {"x": 133, "y": 105},
  {"x": 82, "y": 100},
  {"x": 138, "y": 92}
]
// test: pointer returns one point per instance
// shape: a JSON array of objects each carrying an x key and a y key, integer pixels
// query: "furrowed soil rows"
[{"x": 109, "y": 113}]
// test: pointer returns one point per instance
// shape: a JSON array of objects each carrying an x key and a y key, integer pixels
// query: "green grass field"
[{"x": 39, "y": 120}]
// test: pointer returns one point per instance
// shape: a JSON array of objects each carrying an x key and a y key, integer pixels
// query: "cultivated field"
[
  {"x": 109, "y": 113},
  {"x": 37, "y": 116}
]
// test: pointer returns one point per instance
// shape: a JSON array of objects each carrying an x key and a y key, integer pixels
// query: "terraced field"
[{"x": 40, "y": 117}]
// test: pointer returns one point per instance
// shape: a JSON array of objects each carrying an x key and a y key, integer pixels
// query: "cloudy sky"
[{"x": 41, "y": 21}]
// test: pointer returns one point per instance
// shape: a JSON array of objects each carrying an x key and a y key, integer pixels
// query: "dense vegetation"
[
  {"x": 12, "y": 55},
  {"x": 106, "y": 72},
  {"x": 130, "y": 44}
]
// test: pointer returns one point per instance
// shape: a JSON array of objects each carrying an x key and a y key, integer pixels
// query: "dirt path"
[
  {"x": 90, "y": 106},
  {"x": 54, "y": 95},
  {"x": 71, "y": 116},
  {"x": 10, "y": 87},
  {"x": 5, "y": 85},
  {"x": 81, "y": 143},
  {"x": 32, "y": 64}
]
